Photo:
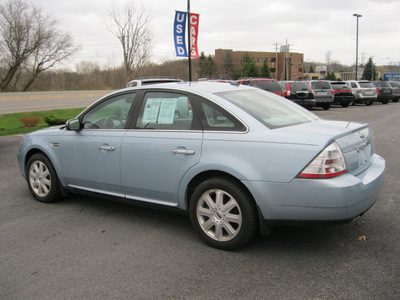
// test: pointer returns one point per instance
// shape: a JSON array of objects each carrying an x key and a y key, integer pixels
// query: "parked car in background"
[
  {"x": 323, "y": 93},
  {"x": 396, "y": 90},
  {"x": 267, "y": 84},
  {"x": 151, "y": 80},
  {"x": 342, "y": 93},
  {"x": 299, "y": 92},
  {"x": 384, "y": 91},
  {"x": 236, "y": 159},
  {"x": 363, "y": 91}
]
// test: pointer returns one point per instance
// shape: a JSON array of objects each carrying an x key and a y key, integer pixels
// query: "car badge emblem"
[{"x": 362, "y": 135}]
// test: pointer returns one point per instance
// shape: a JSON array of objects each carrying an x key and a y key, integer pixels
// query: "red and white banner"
[{"x": 194, "y": 32}]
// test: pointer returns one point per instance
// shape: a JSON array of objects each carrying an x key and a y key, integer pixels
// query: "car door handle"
[
  {"x": 183, "y": 151},
  {"x": 106, "y": 147}
]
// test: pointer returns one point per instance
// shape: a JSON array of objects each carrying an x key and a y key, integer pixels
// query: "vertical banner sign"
[
  {"x": 180, "y": 33},
  {"x": 194, "y": 32}
]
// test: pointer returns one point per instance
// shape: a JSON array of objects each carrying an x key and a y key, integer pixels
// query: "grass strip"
[{"x": 10, "y": 124}]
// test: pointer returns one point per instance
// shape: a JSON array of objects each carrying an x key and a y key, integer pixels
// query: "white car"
[{"x": 363, "y": 91}]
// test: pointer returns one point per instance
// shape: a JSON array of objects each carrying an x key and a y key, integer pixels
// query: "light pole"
[{"x": 357, "y": 16}]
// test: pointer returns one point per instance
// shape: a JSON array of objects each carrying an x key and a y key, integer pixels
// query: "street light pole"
[{"x": 357, "y": 16}]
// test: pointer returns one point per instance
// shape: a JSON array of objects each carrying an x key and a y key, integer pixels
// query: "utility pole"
[
  {"x": 357, "y": 16},
  {"x": 276, "y": 60},
  {"x": 189, "y": 42}
]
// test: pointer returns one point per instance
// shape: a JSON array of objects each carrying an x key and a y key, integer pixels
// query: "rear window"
[
  {"x": 298, "y": 86},
  {"x": 272, "y": 86},
  {"x": 395, "y": 84},
  {"x": 366, "y": 84},
  {"x": 320, "y": 85},
  {"x": 271, "y": 110},
  {"x": 339, "y": 85},
  {"x": 384, "y": 84}
]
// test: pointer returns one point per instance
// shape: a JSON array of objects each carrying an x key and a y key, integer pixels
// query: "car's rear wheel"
[
  {"x": 223, "y": 213},
  {"x": 326, "y": 106},
  {"x": 395, "y": 100},
  {"x": 42, "y": 178},
  {"x": 345, "y": 104},
  {"x": 369, "y": 103}
]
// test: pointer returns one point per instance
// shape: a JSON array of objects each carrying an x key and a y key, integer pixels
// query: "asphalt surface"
[
  {"x": 40, "y": 101},
  {"x": 86, "y": 248}
]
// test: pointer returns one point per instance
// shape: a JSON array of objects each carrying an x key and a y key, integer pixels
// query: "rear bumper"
[{"x": 320, "y": 200}]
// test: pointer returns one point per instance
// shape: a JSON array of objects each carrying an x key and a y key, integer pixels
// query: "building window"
[
  {"x": 256, "y": 59},
  {"x": 272, "y": 70},
  {"x": 272, "y": 59},
  {"x": 300, "y": 60},
  {"x": 300, "y": 69}
]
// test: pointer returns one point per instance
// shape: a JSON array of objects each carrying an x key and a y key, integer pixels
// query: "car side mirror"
[{"x": 73, "y": 124}]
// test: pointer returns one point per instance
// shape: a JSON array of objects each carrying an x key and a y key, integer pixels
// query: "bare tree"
[
  {"x": 28, "y": 38},
  {"x": 130, "y": 24},
  {"x": 328, "y": 56}
]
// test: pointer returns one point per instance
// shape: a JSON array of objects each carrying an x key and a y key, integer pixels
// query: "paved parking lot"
[{"x": 86, "y": 248}]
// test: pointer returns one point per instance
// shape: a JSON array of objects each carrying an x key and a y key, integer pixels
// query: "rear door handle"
[
  {"x": 106, "y": 147},
  {"x": 183, "y": 151}
]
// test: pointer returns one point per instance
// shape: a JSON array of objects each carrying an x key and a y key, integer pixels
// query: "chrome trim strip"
[
  {"x": 147, "y": 200},
  {"x": 96, "y": 191}
]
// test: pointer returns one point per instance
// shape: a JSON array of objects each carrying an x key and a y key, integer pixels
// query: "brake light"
[
  {"x": 377, "y": 90},
  {"x": 347, "y": 91},
  {"x": 329, "y": 163},
  {"x": 288, "y": 90}
]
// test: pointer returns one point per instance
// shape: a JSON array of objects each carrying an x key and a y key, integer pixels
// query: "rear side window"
[{"x": 215, "y": 118}]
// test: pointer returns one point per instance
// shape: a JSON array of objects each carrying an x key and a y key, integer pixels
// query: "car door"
[
  {"x": 163, "y": 144},
  {"x": 90, "y": 157}
]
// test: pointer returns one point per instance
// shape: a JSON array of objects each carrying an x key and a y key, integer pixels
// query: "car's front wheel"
[
  {"x": 42, "y": 178},
  {"x": 223, "y": 213}
]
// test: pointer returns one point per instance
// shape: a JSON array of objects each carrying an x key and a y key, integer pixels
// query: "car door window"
[
  {"x": 165, "y": 110},
  {"x": 215, "y": 118},
  {"x": 110, "y": 114}
]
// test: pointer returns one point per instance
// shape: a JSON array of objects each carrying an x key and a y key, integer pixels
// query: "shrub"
[
  {"x": 52, "y": 120},
  {"x": 30, "y": 121}
]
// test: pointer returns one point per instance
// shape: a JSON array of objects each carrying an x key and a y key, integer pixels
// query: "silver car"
[
  {"x": 363, "y": 91},
  {"x": 238, "y": 160}
]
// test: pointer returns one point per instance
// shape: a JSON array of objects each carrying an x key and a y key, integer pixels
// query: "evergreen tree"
[
  {"x": 264, "y": 69},
  {"x": 369, "y": 70},
  {"x": 249, "y": 68},
  {"x": 211, "y": 67},
  {"x": 311, "y": 69},
  {"x": 202, "y": 65},
  {"x": 228, "y": 68}
]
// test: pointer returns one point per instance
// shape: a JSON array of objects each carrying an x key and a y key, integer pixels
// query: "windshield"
[{"x": 271, "y": 110}]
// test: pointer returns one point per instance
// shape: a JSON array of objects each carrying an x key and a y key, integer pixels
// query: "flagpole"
[{"x": 189, "y": 42}]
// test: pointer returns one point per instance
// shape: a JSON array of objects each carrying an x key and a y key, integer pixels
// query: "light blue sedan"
[{"x": 237, "y": 159}]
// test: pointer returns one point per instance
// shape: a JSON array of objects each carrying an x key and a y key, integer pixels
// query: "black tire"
[
  {"x": 220, "y": 226},
  {"x": 369, "y": 103},
  {"x": 42, "y": 178},
  {"x": 345, "y": 104},
  {"x": 326, "y": 106},
  {"x": 395, "y": 100},
  {"x": 354, "y": 101},
  {"x": 385, "y": 101}
]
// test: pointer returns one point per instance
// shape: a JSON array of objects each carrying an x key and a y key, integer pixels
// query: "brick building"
[{"x": 276, "y": 62}]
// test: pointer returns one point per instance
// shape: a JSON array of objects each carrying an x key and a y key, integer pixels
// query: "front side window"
[
  {"x": 165, "y": 110},
  {"x": 110, "y": 114}
]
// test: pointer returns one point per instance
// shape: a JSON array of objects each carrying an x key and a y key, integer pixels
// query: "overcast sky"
[{"x": 310, "y": 27}]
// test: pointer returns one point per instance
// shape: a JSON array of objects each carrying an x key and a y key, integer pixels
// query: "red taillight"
[
  {"x": 377, "y": 90},
  {"x": 329, "y": 163},
  {"x": 347, "y": 91},
  {"x": 288, "y": 90}
]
